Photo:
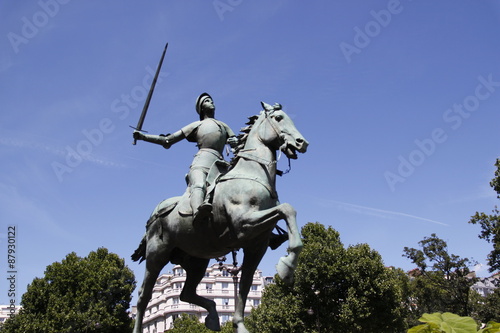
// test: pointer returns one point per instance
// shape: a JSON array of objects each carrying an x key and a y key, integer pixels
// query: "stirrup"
[
  {"x": 205, "y": 207},
  {"x": 204, "y": 211}
]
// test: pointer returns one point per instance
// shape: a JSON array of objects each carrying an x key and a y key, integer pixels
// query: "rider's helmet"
[{"x": 199, "y": 102}]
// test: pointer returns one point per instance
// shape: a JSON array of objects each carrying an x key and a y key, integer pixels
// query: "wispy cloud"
[
  {"x": 18, "y": 143},
  {"x": 479, "y": 268},
  {"x": 19, "y": 209},
  {"x": 378, "y": 212},
  {"x": 63, "y": 153},
  {"x": 483, "y": 192}
]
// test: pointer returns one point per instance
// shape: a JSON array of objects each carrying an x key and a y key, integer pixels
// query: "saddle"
[{"x": 217, "y": 170}]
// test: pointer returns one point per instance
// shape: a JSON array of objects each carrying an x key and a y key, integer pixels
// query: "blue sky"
[{"x": 398, "y": 99}]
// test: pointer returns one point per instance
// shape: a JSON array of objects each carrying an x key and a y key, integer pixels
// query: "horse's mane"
[{"x": 242, "y": 138}]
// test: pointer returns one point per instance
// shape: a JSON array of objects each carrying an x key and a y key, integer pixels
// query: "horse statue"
[{"x": 245, "y": 212}]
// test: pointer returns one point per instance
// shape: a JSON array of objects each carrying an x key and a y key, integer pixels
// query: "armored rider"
[{"x": 211, "y": 136}]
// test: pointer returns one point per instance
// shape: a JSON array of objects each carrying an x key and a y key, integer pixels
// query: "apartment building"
[
  {"x": 218, "y": 284},
  {"x": 487, "y": 286},
  {"x": 7, "y": 310}
]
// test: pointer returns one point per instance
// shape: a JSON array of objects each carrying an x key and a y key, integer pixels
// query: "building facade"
[
  {"x": 6, "y": 311},
  {"x": 486, "y": 286},
  {"x": 218, "y": 284}
]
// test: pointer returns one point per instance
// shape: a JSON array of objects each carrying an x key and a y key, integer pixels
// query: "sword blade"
[{"x": 150, "y": 94}]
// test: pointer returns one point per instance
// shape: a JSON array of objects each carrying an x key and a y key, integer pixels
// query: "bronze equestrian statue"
[{"x": 243, "y": 212}]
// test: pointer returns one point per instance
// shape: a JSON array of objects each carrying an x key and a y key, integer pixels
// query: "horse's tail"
[
  {"x": 162, "y": 209},
  {"x": 140, "y": 253}
]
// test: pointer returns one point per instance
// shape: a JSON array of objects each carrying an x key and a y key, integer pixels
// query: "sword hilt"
[{"x": 139, "y": 130}]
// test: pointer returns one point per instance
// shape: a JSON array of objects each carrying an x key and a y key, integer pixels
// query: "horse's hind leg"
[
  {"x": 157, "y": 256},
  {"x": 195, "y": 271},
  {"x": 251, "y": 260}
]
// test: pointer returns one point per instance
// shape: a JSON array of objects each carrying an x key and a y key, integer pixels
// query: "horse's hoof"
[
  {"x": 212, "y": 323},
  {"x": 240, "y": 328},
  {"x": 285, "y": 270}
]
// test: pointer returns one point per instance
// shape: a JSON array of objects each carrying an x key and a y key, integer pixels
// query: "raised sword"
[{"x": 150, "y": 94}]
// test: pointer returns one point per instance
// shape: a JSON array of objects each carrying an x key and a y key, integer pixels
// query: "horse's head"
[{"x": 281, "y": 134}]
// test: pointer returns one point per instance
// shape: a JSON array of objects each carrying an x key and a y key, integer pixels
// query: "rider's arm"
[
  {"x": 168, "y": 140},
  {"x": 171, "y": 139},
  {"x": 165, "y": 140}
]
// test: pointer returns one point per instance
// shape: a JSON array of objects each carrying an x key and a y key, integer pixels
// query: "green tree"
[
  {"x": 191, "y": 324},
  {"x": 336, "y": 289},
  {"x": 490, "y": 225},
  {"x": 90, "y": 294},
  {"x": 489, "y": 307},
  {"x": 441, "y": 282}
]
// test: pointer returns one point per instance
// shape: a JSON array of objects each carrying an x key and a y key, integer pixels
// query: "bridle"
[{"x": 281, "y": 138}]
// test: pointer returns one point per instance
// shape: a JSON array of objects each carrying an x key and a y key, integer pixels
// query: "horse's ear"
[{"x": 266, "y": 106}]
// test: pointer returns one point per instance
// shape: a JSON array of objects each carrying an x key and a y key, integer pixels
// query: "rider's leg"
[{"x": 197, "y": 179}]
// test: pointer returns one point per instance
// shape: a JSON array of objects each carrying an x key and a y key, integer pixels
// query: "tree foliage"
[
  {"x": 336, "y": 289},
  {"x": 490, "y": 225},
  {"x": 487, "y": 308},
  {"x": 490, "y": 231},
  {"x": 90, "y": 294},
  {"x": 191, "y": 324},
  {"x": 441, "y": 282}
]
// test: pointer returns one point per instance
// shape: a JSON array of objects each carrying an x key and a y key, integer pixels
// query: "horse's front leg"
[
  {"x": 267, "y": 219},
  {"x": 286, "y": 265}
]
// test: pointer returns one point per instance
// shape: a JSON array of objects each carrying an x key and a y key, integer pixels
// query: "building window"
[
  {"x": 178, "y": 272},
  {"x": 178, "y": 285},
  {"x": 225, "y": 273},
  {"x": 209, "y": 287},
  {"x": 256, "y": 303},
  {"x": 225, "y": 318},
  {"x": 225, "y": 287},
  {"x": 254, "y": 287}
]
